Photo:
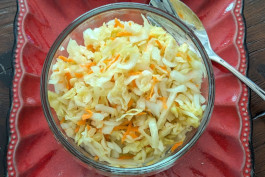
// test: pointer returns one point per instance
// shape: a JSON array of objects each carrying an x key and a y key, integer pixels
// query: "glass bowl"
[{"x": 125, "y": 12}]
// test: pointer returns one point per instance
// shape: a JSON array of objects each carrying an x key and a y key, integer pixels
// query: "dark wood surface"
[{"x": 254, "y": 12}]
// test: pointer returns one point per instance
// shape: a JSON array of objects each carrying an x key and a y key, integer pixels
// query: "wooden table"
[{"x": 254, "y": 12}]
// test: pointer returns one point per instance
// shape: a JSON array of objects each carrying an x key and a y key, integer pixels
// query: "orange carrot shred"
[
  {"x": 175, "y": 146},
  {"x": 150, "y": 37},
  {"x": 164, "y": 68},
  {"x": 188, "y": 58},
  {"x": 77, "y": 129},
  {"x": 134, "y": 83},
  {"x": 163, "y": 99},
  {"x": 132, "y": 134},
  {"x": 125, "y": 122},
  {"x": 90, "y": 72},
  {"x": 123, "y": 33},
  {"x": 130, "y": 23},
  {"x": 96, "y": 158},
  {"x": 62, "y": 121},
  {"x": 88, "y": 127},
  {"x": 118, "y": 23},
  {"x": 87, "y": 116},
  {"x": 124, "y": 157},
  {"x": 130, "y": 103},
  {"x": 135, "y": 73},
  {"x": 135, "y": 129},
  {"x": 112, "y": 79},
  {"x": 152, "y": 66},
  {"x": 56, "y": 70},
  {"x": 127, "y": 132},
  {"x": 113, "y": 61},
  {"x": 78, "y": 75},
  {"x": 81, "y": 122},
  {"x": 112, "y": 38},
  {"x": 180, "y": 15},
  {"x": 107, "y": 137},
  {"x": 180, "y": 54},
  {"x": 90, "y": 47},
  {"x": 68, "y": 77},
  {"x": 65, "y": 59},
  {"x": 160, "y": 46},
  {"x": 120, "y": 127},
  {"x": 141, "y": 113}
]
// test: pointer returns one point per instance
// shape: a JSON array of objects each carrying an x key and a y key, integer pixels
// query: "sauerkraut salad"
[{"x": 129, "y": 93}]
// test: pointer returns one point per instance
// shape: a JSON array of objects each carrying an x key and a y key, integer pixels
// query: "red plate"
[{"x": 223, "y": 150}]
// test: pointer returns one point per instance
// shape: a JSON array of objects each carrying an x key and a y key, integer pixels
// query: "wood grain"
[
  {"x": 254, "y": 12},
  {"x": 255, "y": 39}
]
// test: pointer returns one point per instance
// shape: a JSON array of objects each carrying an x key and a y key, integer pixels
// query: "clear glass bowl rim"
[{"x": 158, "y": 166}]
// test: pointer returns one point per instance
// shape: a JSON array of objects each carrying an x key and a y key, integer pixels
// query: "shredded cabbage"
[{"x": 128, "y": 93}]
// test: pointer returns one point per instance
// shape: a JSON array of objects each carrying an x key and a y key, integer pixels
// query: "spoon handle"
[{"x": 240, "y": 76}]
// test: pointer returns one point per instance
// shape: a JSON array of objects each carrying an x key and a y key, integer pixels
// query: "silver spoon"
[{"x": 175, "y": 7}]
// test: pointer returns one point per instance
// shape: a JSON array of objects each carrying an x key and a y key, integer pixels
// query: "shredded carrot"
[
  {"x": 180, "y": 54},
  {"x": 125, "y": 122},
  {"x": 188, "y": 58},
  {"x": 78, "y": 75},
  {"x": 151, "y": 93},
  {"x": 81, "y": 122},
  {"x": 127, "y": 132},
  {"x": 88, "y": 127},
  {"x": 113, "y": 61},
  {"x": 60, "y": 82},
  {"x": 151, "y": 36},
  {"x": 130, "y": 23},
  {"x": 118, "y": 23},
  {"x": 68, "y": 77},
  {"x": 164, "y": 68},
  {"x": 96, "y": 158},
  {"x": 77, "y": 129},
  {"x": 132, "y": 134},
  {"x": 152, "y": 66},
  {"x": 62, "y": 121},
  {"x": 107, "y": 60},
  {"x": 123, "y": 33},
  {"x": 112, "y": 38},
  {"x": 175, "y": 146},
  {"x": 130, "y": 103},
  {"x": 120, "y": 127},
  {"x": 141, "y": 113},
  {"x": 149, "y": 113},
  {"x": 124, "y": 157},
  {"x": 89, "y": 65},
  {"x": 135, "y": 73},
  {"x": 164, "y": 100},
  {"x": 134, "y": 83},
  {"x": 65, "y": 59},
  {"x": 56, "y": 70},
  {"x": 107, "y": 137},
  {"x": 87, "y": 116},
  {"x": 135, "y": 129},
  {"x": 160, "y": 46},
  {"x": 152, "y": 88},
  {"x": 91, "y": 48},
  {"x": 112, "y": 79},
  {"x": 180, "y": 15},
  {"x": 90, "y": 72},
  {"x": 102, "y": 69},
  {"x": 177, "y": 104}
]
